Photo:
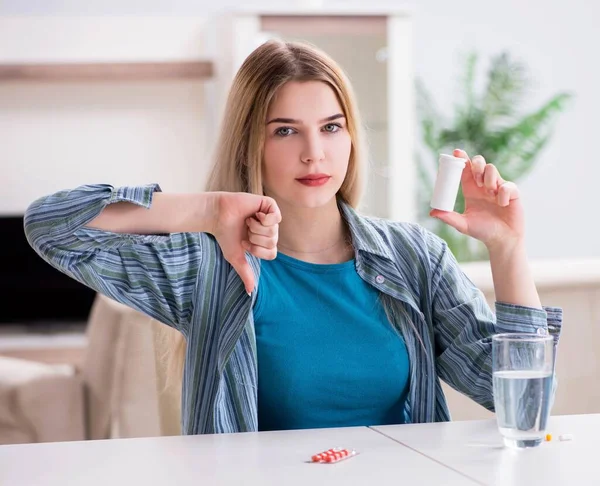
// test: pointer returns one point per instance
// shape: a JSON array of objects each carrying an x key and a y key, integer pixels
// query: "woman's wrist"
[
  {"x": 206, "y": 212},
  {"x": 506, "y": 247},
  {"x": 513, "y": 280}
]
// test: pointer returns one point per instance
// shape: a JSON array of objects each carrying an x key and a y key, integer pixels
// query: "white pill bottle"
[{"x": 447, "y": 182}]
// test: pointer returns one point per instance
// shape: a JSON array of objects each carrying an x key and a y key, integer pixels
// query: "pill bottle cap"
[{"x": 450, "y": 159}]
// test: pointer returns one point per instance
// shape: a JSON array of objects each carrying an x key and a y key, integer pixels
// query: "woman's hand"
[
  {"x": 245, "y": 222},
  {"x": 493, "y": 211}
]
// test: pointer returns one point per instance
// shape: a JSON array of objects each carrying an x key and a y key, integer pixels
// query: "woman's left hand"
[{"x": 493, "y": 211}]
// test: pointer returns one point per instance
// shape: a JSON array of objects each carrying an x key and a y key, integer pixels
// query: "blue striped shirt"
[{"x": 182, "y": 280}]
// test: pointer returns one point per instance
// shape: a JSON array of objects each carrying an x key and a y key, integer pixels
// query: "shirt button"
[
  {"x": 380, "y": 279},
  {"x": 541, "y": 331}
]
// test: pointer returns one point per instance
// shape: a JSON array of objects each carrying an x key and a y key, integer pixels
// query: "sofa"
[{"x": 117, "y": 391}]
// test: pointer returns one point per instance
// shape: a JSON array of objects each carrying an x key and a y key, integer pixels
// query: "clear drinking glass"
[{"x": 523, "y": 372}]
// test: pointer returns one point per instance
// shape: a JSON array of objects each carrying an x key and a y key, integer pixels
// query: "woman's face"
[{"x": 307, "y": 145}]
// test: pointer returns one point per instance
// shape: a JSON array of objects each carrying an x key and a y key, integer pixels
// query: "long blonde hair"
[{"x": 239, "y": 150}]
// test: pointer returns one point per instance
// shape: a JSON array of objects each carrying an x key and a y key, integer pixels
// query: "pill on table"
[
  {"x": 332, "y": 455},
  {"x": 321, "y": 455}
]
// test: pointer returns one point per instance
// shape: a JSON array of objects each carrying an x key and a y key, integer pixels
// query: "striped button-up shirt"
[{"x": 183, "y": 280}]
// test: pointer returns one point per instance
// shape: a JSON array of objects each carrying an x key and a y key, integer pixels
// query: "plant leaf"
[
  {"x": 507, "y": 85},
  {"x": 517, "y": 147},
  {"x": 468, "y": 85}
]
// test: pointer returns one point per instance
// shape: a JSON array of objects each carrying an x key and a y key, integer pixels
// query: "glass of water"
[{"x": 523, "y": 372}]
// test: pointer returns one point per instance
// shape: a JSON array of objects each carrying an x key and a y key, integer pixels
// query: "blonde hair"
[{"x": 239, "y": 150}]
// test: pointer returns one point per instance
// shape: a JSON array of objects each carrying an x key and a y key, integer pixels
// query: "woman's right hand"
[{"x": 245, "y": 222}]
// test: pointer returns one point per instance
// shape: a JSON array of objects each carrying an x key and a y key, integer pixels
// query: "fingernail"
[{"x": 249, "y": 294}]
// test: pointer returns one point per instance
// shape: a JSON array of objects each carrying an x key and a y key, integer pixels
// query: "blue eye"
[
  {"x": 284, "y": 131},
  {"x": 332, "y": 127}
]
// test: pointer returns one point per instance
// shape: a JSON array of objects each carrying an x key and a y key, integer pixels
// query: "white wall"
[
  {"x": 557, "y": 40},
  {"x": 59, "y": 135}
]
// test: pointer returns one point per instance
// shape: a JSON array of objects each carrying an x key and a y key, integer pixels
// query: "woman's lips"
[{"x": 314, "y": 181}]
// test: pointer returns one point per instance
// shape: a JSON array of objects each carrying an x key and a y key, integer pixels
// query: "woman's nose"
[{"x": 313, "y": 149}]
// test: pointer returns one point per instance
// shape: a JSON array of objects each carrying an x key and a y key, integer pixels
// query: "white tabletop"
[
  {"x": 265, "y": 458},
  {"x": 475, "y": 449}
]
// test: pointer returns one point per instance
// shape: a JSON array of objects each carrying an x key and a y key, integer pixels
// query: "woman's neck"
[{"x": 316, "y": 235}]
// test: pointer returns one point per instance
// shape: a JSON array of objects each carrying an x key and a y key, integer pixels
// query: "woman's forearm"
[
  {"x": 169, "y": 213},
  {"x": 513, "y": 280}
]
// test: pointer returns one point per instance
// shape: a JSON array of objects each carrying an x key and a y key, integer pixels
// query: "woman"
[{"x": 294, "y": 310}]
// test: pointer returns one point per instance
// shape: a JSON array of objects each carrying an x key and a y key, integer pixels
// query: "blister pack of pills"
[{"x": 333, "y": 455}]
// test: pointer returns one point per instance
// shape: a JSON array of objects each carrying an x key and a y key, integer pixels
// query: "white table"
[
  {"x": 261, "y": 459},
  {"x": 475, "y": 449},
  {"x": 456, "y": 453}
]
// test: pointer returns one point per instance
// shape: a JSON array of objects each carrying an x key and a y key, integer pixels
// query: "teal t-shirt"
[{"x": 327, "y": 354}]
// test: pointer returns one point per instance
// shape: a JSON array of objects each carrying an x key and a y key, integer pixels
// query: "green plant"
[{"x": 487, "y": 123}]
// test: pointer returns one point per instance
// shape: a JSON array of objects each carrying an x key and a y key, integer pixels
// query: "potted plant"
[{"x": 487, "y": 123}]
